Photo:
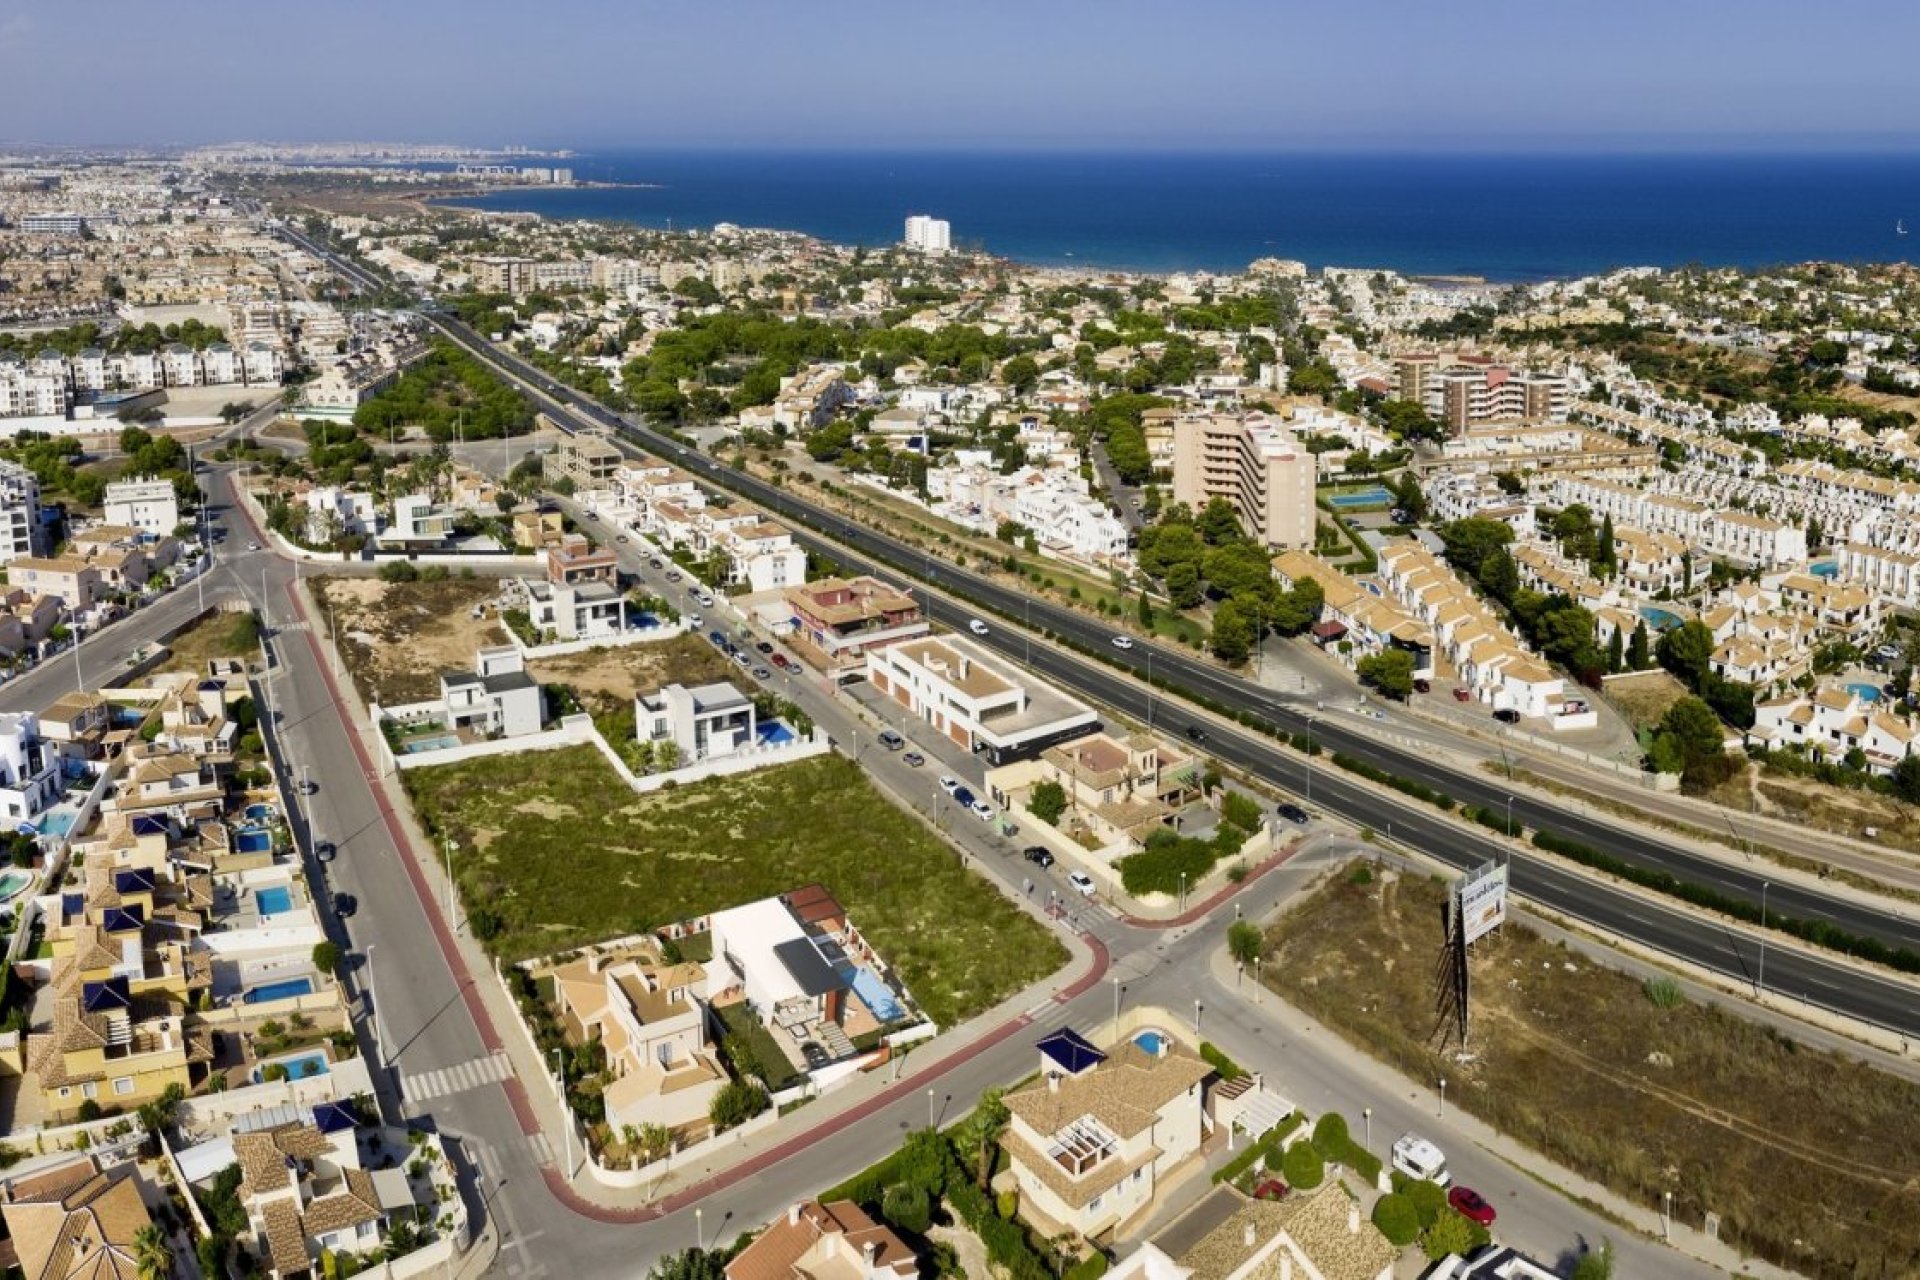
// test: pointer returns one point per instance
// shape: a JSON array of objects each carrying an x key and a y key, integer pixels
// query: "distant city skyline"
[{"x": 1392, "y": 75}]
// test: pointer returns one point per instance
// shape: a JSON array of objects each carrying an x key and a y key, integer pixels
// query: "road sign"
[{"x": 1482, "y": 898}]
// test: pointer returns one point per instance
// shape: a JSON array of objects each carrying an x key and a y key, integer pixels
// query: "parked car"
[
  {"x": 949, "y": 783},
  {"x": 761, "y": 673},
  {"x": 780, "y": 661},
  {"x": 1507, "y": 715},
  {"x": 1039, "y": 855},
  {"x": 963, "y": 797},
  {"x": 593, "y": 515},
  {"x": 1423, "y": 686},
  {"x": 1123, "y": 642},
  {"x": 325, "y": 851},
  {"x": 1418, "y": 1158},
  {"x": 673, "y": 575},
  {"x": 978, "y": 627},
  {"x": 253, "y": 546},
  {"x": 891, "y": 740},
  {"x": 1471, "y": 1204},
  {"x": 345, "y": 904},
  {"x": 1293, "y": 813},
  {"x": 1461, "y": 695},
  {"x": 914, "y": 759},
  {"x": 654, "y": 561},
  {"x": 1081, "y": 881},
  {"x": 718, "y": 637},
  {"x": 621, "y": 538},
  {"x": 764, "y": 647},
  {"x": 982, "y": 810},
  {"x": 695, "y": 621},
  {"x": 741, "y": 660},
  {"x": 705, "y": 598},
  {"x": 307, "y": 786}
]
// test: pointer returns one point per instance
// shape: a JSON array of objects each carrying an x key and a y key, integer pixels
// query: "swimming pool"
[
  {"x": 1151, "y": 1041},
  {"x": 285, "y": 989},
  {"x": 876, "y": 995},
  {"x": 1824, "y": 568},
  {"x": 773, "y": 733},
  {"x": 57, "y": 822},
  {"x": 14, "y": 883},
  {"x": 1659, "y": 619},
  {"x": 273, "y": 901},
  {"x": 300, "y": 1066},
  {"x": 414, "y": 746},
  {"x": 1865, "y": 692},
  {"x": 252, "y": 840},
  {"x": 1377, "y": 496},
  {"x": 257, "y": 812}
]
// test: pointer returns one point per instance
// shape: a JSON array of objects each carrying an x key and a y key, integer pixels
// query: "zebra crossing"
[{"x": 457, "y": 1078}]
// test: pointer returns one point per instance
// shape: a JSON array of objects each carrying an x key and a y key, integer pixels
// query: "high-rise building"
[
  {"x": 21, "y": 530},
  {"x": 1256, "y": 466},
  {"x": 928, "y": 235}
]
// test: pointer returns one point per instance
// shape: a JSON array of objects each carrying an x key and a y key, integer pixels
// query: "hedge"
[
  {"x": 1302, "y": 1166},
  {"x": 1394, "y": 1215},
  {"x": 1336, "y": 1144},
  {"x": 1227, "y": 1067},
  {"x": 1256, "y": 1151}
]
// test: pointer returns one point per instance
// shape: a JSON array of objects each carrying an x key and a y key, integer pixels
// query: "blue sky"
[{"x": 852, "y": 74}]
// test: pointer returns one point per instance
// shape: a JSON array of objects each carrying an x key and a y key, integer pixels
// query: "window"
[
  {"x": 123, "y": 1085},
  {"x": 1094, "y": 1207},
  {"x": 89, "y": 1090}
]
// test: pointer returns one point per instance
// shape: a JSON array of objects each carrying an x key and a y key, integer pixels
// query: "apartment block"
[
  {"x": 147, "y": 504},
  {"x": 974, "y": 701},
  {"x": 836, "y": 621},
  {"x": 1259, "y": 469},
  {"x": 21, "y": 531}
]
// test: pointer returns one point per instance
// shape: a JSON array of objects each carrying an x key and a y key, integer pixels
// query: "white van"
[{"x": 1414, "y": 1156}]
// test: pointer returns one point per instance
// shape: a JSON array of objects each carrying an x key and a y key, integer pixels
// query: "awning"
[{"x": 1329, "y": 630}]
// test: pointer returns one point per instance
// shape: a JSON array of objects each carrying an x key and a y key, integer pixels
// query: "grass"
[
  {"x": 1807, "y": 1156},
  {"x": 219, "y": 635},
  {"x": 1644, "y": 698},
  {"x": 754, "y": 1050},
  {"x": 566, "y": 855}
]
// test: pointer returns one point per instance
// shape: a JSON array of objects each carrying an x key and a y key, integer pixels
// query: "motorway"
[{"x": 1725, "y": 948}]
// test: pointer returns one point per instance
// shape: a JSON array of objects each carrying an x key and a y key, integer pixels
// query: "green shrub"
[
  {"x": 1242, "y": 810},
  {"x": 1168, "y": 857},
  {"x": 1429, "y": 1201},
  {"x": 1398, "y": 1222},
  {"x": 1330, "y": 1134},
  {"x": 736, "y": 1103},
  {"x": 906, "y": 1206},
  {"x": 1302, "y": 1167},
  {"x": 1219, "y": 1061},
  {"x": 1452, "y": 1233},
  {"x": 1255, "y": 1152},
  {"x": 1091, "y": 1267}
]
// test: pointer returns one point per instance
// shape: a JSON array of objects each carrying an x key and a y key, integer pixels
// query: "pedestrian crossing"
[{"x": 458, "y": 1078}]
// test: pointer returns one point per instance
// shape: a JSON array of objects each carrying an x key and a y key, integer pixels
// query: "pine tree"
[
  {"x": 1603, "y": 553},
  {"x": 1616, "y": 651},
  {"x": 1639, "y": 655}
]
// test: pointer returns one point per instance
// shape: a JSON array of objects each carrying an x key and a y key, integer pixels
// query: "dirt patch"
[
  {"x": 1840, "y": 810},
  {"x": 1642, "y": 699},
  {"x": 610, "y": 677},
  {"x": 219, "y": 635},
  {"x": 397, "y": 637},
  {"x": 1808, "y": 1157}
]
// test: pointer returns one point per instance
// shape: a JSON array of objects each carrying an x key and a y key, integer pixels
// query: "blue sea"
[{"x": 1504, "y": 217}]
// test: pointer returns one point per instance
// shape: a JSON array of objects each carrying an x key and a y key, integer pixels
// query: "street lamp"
[
  {"x": 930, "y": 1117},
  {"x": 1443, "y": 1097},
  {"x": 453, "y": 920},
  {"x": 1310, "y": 720},
  {"x": 1196, "y": 1019},
  {"x": 1509, "y": 817},
  {"x": 1366, "y": 1113},
  {"x": 699, "y": 1229},
  {"x": 1760, "y": 984},
  {"x": 1116, "y": 1005},
  {"x": 566, "y": 1112},
  {"x": 366, "y": 991}
]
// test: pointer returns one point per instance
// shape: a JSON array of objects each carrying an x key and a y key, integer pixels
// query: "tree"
[
  {"x": 648, "y": 1142},
  {"x": 1686, "y": 650},
  {"x": 1638, "y": 657},
  {"x": 151, "y": 1253},
  {"x": 1021, "y": 373},
  {"x": 978, "y": 1137},
  {"x": 1906, "y": 779},
  {"x": 1234, "y": 631},
  {"x": 1594, "y": 1264},
  {"x": 1452, "y": 1233},
  {"x": 1604, "y": 561},
  {"x": 907, "y": 1207},
  {"x": 736, "y": 1103},
  {"x": 1299, "y": 608},
  {"x": 1217, "y": 523},
  {"x": 689, "y": 1264},
  {"x": 326, "y": 956},
  {"x": 1389, "y": 671},
  {"x": 1470, "y": 541},
  {"x": 1047, "y": 801},
  {"x": 1302, "y": 1166},
  {"x": 1616, "y": 652},
  {"x": 1183, "y": 584},
  {"x": 1245, "y": 942},
  {"x": 1393, "y": 1214}
]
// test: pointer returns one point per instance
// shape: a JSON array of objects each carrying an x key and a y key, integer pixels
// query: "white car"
[
  {"x": 983, "y": 811},
  {"x": 1081, "y": 881},
  {"x": 694, "y": 620},
  {"x": 949, "y": 783},
  {"x": 1123, "y": 642},
  {"x": 978, "y": 627}
]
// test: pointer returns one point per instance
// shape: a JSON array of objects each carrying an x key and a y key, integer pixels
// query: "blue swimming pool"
[
  {"x": 57, "y": 822},
  {"x": 274, "y": 901},
  {"x": 1377, "y": 496},
  {"x": 13, "y": 883},
  {"x": 1152, "y": 1041},
  {"x": 1659, "y": 619},
  {"x": 286, "y": 989},
  {"x": 416, "y": 745},
  {"x": 300, "y": 1066},
  {"x": 773, "y": 733},
  {"x": 876, "y": 995},
  {"x": 257, "y": 812},
  {"x": 1824, "y": 568},
  {"x": 252, "y": 840},
  {"x": 1865, "y": 692}
]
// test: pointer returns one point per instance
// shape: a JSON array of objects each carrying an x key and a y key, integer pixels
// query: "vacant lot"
[
  {"x": 1642, "y": 699},
  {"x": 219, "y": 635},
  {"x": 611, "y": 676},
  {"x": 397, "y": 637},
  {"x": 562, "y": 854},
  {"x": 1809, "y": 1158}
]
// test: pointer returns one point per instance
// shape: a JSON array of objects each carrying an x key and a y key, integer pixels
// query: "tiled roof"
[{"x": 1124, "y": 1093}]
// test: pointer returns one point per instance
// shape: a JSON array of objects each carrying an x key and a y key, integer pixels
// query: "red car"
[{"x": 1470, "y": 1204}]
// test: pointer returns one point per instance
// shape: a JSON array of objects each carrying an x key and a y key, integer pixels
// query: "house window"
[
  {"x": 89, "y": 1090},
  {"x": 123, "y": 1085},
  {"x": 65, "y": 1092},
  {"x": 1094, "y": 1207}
]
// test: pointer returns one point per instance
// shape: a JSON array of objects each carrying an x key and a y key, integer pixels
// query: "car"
[
  {"x": 1039, "y": 855},
  {"x": 325, "y": 851},
  {"x": 963, "y": 797},
  {"x": 593, "y": 515},
  {"x": 741, "y": 660},
  {"x": 1081, "y": 881},
  {"x": 1123, "y": 642},
  {"x": 1196, "y": 734},
  {"x": 1507, "y": 715},
  {"x": 914, "y": 759},
  {"x": 949, "y": 783},
  {"x": 815, "y": 1055},
  {"x": 345, "y": 904},
  {"x": 695, "y": 621},
  {"x": 253, "y": 546},
  {"x": 307, "y": 786},
  {"x": 621, "y": 538},
  {"x": 673, "y": 575},
  {"x": 1471, "y": 1204},
  {"x": 780, "y": 661},
  {"x": 1461, "y": 695},
  {"x": 654, "y": 561},
  {"x": 764, "y": 647},
  {"x": 978, "y": 627},
  {"x": 761, "y": 673},
  {"x": 983, "y": 811},
  {"x": 1293, "y": 813},
  {"x": 718, "y": 637},
  {"x": 706, "y": 600},
  {"x": 891, "y": 740},
  {"x": 1423, "y": 686},
  {"x": 1134, "y": 501}
]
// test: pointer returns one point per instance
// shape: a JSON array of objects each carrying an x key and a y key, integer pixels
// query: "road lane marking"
[{"x": 458, "y": 1078}]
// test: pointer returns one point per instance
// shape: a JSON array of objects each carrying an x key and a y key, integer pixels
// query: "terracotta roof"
[
  {"x": 286, "y": 1242},
  {"x": 1321, "y": 1226},
  {"x": 1124, "y": 1093},
  {"x": 357, "y": 1204},
  {"x": 78, "y": 1231},
  {"x": 263, "y": 1155},
  {"x": 809, "y": 1238}
]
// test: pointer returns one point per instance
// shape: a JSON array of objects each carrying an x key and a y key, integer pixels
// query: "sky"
[{"x": 1439, "y": 75}]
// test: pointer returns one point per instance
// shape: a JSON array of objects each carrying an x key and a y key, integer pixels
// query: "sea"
[{"x": 1504, "y": 218}]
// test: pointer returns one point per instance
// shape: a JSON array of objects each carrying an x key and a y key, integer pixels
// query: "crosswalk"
[{"x": 457, "y": 1078}]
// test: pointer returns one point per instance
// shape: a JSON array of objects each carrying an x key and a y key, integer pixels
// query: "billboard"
[{"x": 1481, "y": 896}]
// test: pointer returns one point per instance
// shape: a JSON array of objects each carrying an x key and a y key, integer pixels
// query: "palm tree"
[
  {"x": 979, "y": 1135},
  {"x": 152, "y": 1255}
]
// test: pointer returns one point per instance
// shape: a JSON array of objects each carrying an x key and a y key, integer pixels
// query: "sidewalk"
[{"x": 1384, "y": 1081}]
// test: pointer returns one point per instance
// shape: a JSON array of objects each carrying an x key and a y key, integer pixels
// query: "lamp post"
[
  {"x": 453, "y": 918},
  {"x": 1666, "y": 1215},
  {"x": 1149, "y": 690},
  {"x": 79, "y": 677},
  {"x": 566, "y": 1112},
  {"x": 1197, "y": 1007},
  {"x": 1443, "y": 1097},
  {"x": 1310, "y": 720},
  {"x": 1760, "y": 983},
  {"x": 1509, "y": 817},
  {"x": 699, "y": 1229},
  {"x": 1116, "y": 1006},
  {"x": 930, "y": 1116},
  {"x": 1366, "y": 1114},
  {"x": 366, "y": 990}
]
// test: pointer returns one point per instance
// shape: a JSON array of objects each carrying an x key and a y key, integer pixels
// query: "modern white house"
[
  {"x": 704, "y": 721},
  {"x": 498, "y": 699},
  {"x": 417, "y": 518},
  {"x": 974, "y": 701},
  {"x": 589, "y": 611},
  {"x": 335, "y": 512},
  {"x": 29, "y": 768},
  {"x": 147, "y": 504}
]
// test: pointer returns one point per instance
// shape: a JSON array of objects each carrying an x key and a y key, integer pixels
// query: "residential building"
[
  {"x": 1831, "y": 722},
  {"x": 1091, "y": 1141},
  {"x": 498, "y": 699},
  {"x": 648, "y": 1016},
  {"x": 590, "y": 611},
  {"x": 1316, "y": 1235},
  {"x": 835, "y": 621},
  {"x": 761, "y": 553},
  {"x": 975, "y": 701},
  {"x": 928, "y": 235},
  {"x": 576, "y": 562},
  {"x": 538, "y": 529},
  {"x": 417, "y": 519},
  {"x": 306, "y": 1194},
  {"x": 339, "y": 513},
  {"x": 77, "y": 1220},
  {"x": 588, "y": 459},
  {"x": 22, "y": 531},
  {"x": 148, "y": 504},
  {"x": 68, "y": 579},
  {"x": 705, "y": 721},
  {"x": 836, "y": 1241},
  {"x": 1256, "y": 466}
]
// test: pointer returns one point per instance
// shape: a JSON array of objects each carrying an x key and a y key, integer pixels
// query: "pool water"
[
  {"x": 13, "y": 883},
  {"x": 773, "y": 733},
  {"x": 1374, "y": 497},
  {"x": 1865, "y": 692},
  {"x": 416, "y": 745},
  {"x": 286, "y": 989},
  {"x": 1659, "y": 619},
  {"x": 274, "y": 901},
  {"x": 300, "y": 1066},
  {"x": 1825, "y": 568},
  {"x": 876, "y": 995},
  {"x": 252, "y": 840},
  {"x": 257, "y": 812},
  {"x": 1151, "y": 1041},
  {"x": 57, "y": 822}
]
